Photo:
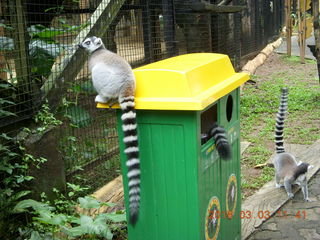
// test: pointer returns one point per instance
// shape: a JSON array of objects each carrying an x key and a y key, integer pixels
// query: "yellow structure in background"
[{"x": 186, "y": 82}]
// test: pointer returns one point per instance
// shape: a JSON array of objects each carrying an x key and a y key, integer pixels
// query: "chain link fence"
[{"x": 40, "y": 64}]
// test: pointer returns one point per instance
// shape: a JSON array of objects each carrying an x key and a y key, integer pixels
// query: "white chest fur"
[{"x": 105, "y": 80}]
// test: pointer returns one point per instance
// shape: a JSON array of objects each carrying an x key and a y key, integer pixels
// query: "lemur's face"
[{"x": 91, "y": 44}]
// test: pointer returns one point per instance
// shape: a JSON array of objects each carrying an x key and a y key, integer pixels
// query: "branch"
[
  {"x": 212, "y": 8},
  {"x": 224, "y": 2},
  {"x": 66, "y": 69}
]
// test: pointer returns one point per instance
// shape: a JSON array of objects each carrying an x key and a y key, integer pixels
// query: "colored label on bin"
[
  {"x": 231, "y": 196},
  {"x": 213, "y": 219}
]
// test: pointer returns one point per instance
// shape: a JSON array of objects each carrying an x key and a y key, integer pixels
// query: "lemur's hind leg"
[
  {"x": 112, "y": 101},
  {"x": 277, "y": 177},
  {"x": 106, "y": 100},
  {"x": 288, "y": 187},
  {"x": 304, "y": 188},
  {"x": 101, "y": 99}
]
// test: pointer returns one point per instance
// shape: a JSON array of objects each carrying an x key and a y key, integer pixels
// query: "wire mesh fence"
[{"x": 41, "y": 64}]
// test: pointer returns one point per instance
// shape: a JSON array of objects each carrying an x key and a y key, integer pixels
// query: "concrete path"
[
  {"x": 268, "y": 200},
  {"x": 295, "y": 50},
  {"x": 296, "y": 220}
]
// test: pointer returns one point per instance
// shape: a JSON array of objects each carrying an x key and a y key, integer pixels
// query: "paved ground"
[
  {"x": 295, "y": 50},
  {"x": 296, "y": 220}
]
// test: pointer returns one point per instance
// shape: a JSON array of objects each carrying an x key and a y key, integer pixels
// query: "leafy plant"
[
  {"x": 54, "y": 225},
  {"x": 14, "y": 170},
  {"x": 46, "y": 118}
]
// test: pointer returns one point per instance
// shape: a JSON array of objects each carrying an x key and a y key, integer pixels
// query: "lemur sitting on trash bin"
[
  {"x": 285, "y": 164},
  {"x": 114, "y": 81}
]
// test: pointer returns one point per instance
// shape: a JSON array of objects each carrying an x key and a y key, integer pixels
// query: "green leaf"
[
  {"x": 50, "y": 33},
  {"x": 6, "y": 26},
  {"x": 5, "y": 85},
  {"x": 79, "y": 116},
  {"x": 2, "y": 101},
  {"x": 19, "y": 195},
  {"x": 4, "y": 113},
  {"x": 23, "y": 205},
  {"x": 45, "y": 216},
  {"x": 42, "y": 56},
  {"x": 5, "y": 136},
  {"x": 97, "y": 226},
  {"x": 35, "y": 236},
  {"x": 8, "y": 191},
  {"x": 88, "y": 202},
  {"x": 85, "y": 220},
  {"x": 76, "y": 88},
  {"x": 74, "y": 232},
  {"x": 40, "y": 31}
]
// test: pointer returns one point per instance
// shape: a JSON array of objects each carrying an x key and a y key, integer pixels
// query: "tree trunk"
[{"x": 316, "y": 27}]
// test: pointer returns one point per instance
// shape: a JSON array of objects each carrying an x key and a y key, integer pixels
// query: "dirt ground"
[
  {"x": 292, "y": 71},
  {"x": 275, "y": 64}
]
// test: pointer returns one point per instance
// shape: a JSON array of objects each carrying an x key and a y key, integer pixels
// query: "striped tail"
[
  {"x": 223, "y": 146},
  {"x": 280, "y": 120},
  {"x": 129, "y": 126}
]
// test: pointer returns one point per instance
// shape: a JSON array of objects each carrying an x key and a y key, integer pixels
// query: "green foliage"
[
  {"x": 50, "y": 223},
  {"x": 296, "y": 59},
  {"x": 4, "y": 103},
  {"x": 46, "y": 118},
  {"x": 258, "y": 106},
  {"x": 14, "y": 167},
  {"x": 43, "y": 47}
]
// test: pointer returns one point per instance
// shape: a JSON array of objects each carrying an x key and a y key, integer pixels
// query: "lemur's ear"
[{"x": 98, "y": 41}]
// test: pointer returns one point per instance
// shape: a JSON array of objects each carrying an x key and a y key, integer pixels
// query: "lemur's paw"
[{"x": 100, "y": 99}]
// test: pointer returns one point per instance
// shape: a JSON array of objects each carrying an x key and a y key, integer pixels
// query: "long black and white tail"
[
  {"x": 223, "y": 146},
  {"x": 280, "y": 120},
  {"x": 129, "y": 126}
]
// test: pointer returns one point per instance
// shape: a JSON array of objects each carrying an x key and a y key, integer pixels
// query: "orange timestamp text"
[
  {"x": 262, "y": 214},
  {"x": 265, "y": 214}
]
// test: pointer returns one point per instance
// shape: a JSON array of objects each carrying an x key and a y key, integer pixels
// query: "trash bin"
[{"x": 187, "y": 191}]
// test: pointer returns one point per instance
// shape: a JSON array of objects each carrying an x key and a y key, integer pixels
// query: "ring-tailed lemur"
[
  {"x": 285, "y": 164},
  {"x": 220, "y": 138},
  {"x": 223, "y": 146},
  {"x": 114, "y": 81}
]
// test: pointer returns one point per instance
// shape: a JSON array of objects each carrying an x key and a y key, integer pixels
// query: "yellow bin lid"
[{"x": 186, "y": 82}]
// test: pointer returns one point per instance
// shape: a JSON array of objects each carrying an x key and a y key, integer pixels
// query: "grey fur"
[
  {"x": 286, "y": 166},
  {"x": 114, "y": 81}
]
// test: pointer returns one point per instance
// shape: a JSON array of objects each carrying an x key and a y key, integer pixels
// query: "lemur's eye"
[{"x": 87, "y": 43}]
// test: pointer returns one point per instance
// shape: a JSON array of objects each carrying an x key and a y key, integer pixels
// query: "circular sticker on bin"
[
  {"x": 212, "y": 226},
  {"x": 231, "y": 196}
]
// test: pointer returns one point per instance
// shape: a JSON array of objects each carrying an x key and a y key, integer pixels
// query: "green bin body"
[{"x": 187, "y": 191}]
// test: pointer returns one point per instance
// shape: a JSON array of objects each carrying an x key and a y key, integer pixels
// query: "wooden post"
[
  {"x": 301, "y": 29},
  {"x": 316, "y": 27},
  {"x": 3, "y": 74},
  {"x": 169, "y": 25},
  {"x": 304, "y": 30},
  {"x": 288, "y": 4},
  {"x": 65, "y": 71},
  {"x": 17, "y": 19}
]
